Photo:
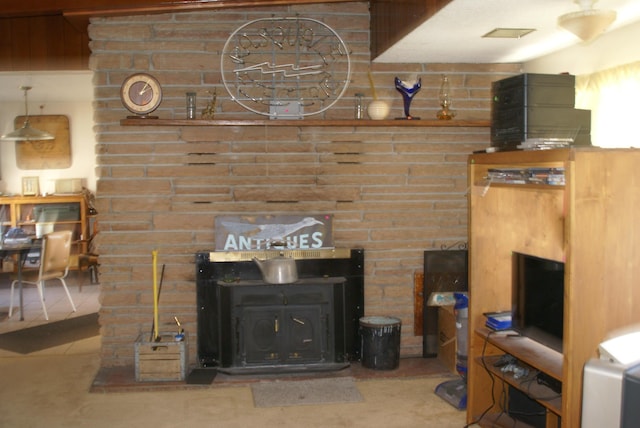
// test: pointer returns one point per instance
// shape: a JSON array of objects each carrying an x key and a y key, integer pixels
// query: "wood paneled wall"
[
  {"x": 40, "y": 35},
  {"x": 391, "y": 20},
  {"x": 37, "y": 43}
]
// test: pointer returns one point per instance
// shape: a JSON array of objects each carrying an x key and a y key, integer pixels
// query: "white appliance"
[{"x": 603, "y": 398}]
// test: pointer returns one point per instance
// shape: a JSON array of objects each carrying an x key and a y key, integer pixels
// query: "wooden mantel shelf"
[{"x": 303, "y": 122}]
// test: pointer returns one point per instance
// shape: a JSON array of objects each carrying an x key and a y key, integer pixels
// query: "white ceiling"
[{"x": 454, "y": 34}]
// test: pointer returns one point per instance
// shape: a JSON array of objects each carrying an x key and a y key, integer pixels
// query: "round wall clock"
[
  {"x": 141, "y": 94},
  {"x": 285, "y": 67}
]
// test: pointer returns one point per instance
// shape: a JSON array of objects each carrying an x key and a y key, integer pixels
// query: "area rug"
[
  {"x": 305, "y": 392},
  {"x": 52, "y": 334}
]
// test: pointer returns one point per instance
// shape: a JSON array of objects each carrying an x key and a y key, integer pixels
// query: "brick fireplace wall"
[{"x": 394, "y": 191}]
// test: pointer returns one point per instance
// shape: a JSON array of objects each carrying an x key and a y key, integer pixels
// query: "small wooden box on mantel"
[{"x": 163, "y": 360}]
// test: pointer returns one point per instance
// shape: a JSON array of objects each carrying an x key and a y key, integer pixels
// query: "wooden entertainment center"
[{"x": 591, "y": 224}]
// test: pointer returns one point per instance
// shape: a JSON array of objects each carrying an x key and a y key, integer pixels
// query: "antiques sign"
[{"x": 245, "y": 233}]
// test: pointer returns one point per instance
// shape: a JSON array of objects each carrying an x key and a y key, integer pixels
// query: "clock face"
[
  {"x": 141, "y": 93},
  {"x": 298, "y": 66}
]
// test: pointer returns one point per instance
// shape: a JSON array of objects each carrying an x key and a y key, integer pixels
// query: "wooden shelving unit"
[
  {"x": 530, "y": 352},
  {"x": 546, "y": 396},
  {"x": 590, "y": 225},
  {"x": 303, "y": 122},
  {"x": 23, "y": 212}
]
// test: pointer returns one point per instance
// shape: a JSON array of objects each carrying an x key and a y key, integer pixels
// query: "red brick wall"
[{"x": 394, "y": 191}]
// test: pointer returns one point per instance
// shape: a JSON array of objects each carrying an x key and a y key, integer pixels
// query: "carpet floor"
[{"x": 305, "y": 392}]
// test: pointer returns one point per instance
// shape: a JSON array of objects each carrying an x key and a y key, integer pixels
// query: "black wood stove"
[{"x": 248, "y": 326}]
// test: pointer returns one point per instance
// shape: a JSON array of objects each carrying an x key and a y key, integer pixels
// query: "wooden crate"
[{"x": 165, "y": 360}]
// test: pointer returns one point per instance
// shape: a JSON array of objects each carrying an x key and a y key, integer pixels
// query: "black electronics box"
[{"x": 537, "y": 106}]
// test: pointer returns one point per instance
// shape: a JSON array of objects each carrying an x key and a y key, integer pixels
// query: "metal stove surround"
[
  {"x": 246, "y": 325},
  {"x": 298, "y": 254}
]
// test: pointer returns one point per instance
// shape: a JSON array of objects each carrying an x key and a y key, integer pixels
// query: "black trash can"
[{"x": 380, "y": 349}]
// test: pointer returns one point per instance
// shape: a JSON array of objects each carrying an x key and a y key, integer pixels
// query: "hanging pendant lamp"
[
  {"x": 26, "y": 132},
  {"x": 588, "y": 23}
]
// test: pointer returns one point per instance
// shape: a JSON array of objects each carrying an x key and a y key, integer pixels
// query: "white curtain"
[{"x": 612, "y": 96}]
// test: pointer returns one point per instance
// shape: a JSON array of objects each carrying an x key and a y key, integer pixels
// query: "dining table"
[{"x": 20, "y": 249}]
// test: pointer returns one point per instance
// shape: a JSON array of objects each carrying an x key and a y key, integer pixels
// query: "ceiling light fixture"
[
  {"x": 26, "y": 132},
  {"x": 588, "y": 23}
]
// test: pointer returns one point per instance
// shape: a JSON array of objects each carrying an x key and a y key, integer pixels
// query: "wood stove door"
[
  {"x": 305, "y": 340},
  {"x": 258, "y": 335},
  {"x": 282, "y": 335}
]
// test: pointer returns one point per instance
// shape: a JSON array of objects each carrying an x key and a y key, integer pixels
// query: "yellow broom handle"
[{"x": 154, "y": 257}]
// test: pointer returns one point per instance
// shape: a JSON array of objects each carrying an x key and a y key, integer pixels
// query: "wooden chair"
[
  {"x": 88, "y": 257},
  {"x": 55, "y": 258},
  {"x": 89, "y": 261}
]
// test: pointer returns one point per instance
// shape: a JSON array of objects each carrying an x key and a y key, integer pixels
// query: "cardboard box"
[
  {"x": 165, "y": 360},
  {"x": 7, "y": 264},
  {"x": 447, "y": 337},
  {"x": 68, "y": 185}
]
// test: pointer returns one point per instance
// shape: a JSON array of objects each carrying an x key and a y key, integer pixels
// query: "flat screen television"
[{"x": 538, "y": 299}]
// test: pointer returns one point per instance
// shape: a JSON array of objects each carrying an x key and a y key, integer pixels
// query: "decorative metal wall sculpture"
[{"x": 285, "y": 67}]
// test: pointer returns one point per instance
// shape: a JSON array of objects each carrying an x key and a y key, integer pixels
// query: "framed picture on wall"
[
  {"x": 45, "y": 154},
  {"x": 30, "y": 186}
]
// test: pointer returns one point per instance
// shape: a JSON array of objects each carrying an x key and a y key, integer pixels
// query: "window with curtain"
[{"x": 612, "y": 96}]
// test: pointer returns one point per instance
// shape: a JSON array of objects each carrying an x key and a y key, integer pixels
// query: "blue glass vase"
[{"x": 408, "y": 90}]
